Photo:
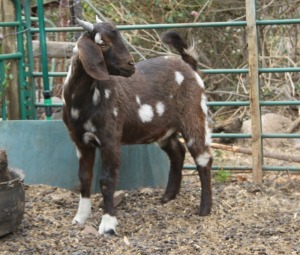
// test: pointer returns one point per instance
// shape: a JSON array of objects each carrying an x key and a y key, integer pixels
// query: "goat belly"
[{"x": 142, "y": 135}]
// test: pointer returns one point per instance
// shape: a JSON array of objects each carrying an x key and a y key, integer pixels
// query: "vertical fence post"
[
  {"x": 44, "y": 60},
  {"x": 254, "y": 91},
  {"x": 8, "y": 46}
]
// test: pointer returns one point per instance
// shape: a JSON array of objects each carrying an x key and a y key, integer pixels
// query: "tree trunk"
[{"x": 9, "y": 46}]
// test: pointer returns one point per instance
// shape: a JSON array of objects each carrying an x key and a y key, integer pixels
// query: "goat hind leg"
[
  {"x": 176, "y": 152},
  {"x": 86, "y": 158},
  {"x": 203, "y": 159}
]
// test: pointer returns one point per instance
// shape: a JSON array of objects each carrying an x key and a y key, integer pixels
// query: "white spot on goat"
[
  {"x": 199, "y": 80},
  {"x": 68, "y": 75},
  {"x": 75, "y": 49},
  {"x": 88, "y": 126},
  {"x": 179, "y": 77},
  {"x": 138, "y": 100},
  {"x": 146, "y": 113},
  {"x": 83, "y": 212},
  {"x": 108, "y": 224},
  {"x": 90, "y": 137},
  {"x": 115, "y": 111},
  {"x": 96, "y": 96},
  {"x": 98, "y": 20},
  {"x": 98, "y": 39},
  {"x": 63, "y": 98},
  {"x": 107, "y": 93},
  {"x": 74, "y": 113},
  {"x": 203, "y": 159},
  {"x": 190, "y": 143},
  {"x": 204, "y": 104},
  {"x": 160, "y": 108}
]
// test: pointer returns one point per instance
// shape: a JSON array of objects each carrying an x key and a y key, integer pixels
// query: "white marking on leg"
[
  {"x": 179, "y": 77},
  {"x": 146, "y": 113},
  {"x": 203, "y": 159},
  {"x": 78, "y": 153},
  {"x": 96, "y": 96},
  {"x": 107, "y": 93},
  {"x": 204, "y": 104},
  {"x": 88, "y": 126},
  {"x": 83, "y": 212},
  {"x": 199, "y": 80},
  {"x": 207, "y": 134},
  {"x": 115, "y": 111},
  {"x": 75, "y": 113},
  {"x": 160, "y": 108},
  {"x": 108, "y": 224},
  {"x": 190, "y": 142}
]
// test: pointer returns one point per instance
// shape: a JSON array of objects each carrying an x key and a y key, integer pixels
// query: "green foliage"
[{"x": 222, "y": 176}]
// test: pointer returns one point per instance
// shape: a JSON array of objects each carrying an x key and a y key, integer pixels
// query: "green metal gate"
[{"x": 27, "y": 85}]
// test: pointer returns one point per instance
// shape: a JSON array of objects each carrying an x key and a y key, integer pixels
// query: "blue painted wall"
[{"x": 45, "y": 152}]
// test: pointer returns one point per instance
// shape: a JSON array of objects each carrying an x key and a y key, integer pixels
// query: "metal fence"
[{"x": 27, "y": 75}]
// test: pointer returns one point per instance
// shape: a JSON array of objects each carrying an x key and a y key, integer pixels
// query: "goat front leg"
[
  {"x": 86, "y": 156},
  {"x": 110, "y": 156}
]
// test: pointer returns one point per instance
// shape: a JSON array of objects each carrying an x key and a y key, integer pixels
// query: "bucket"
[{"x": 12, "y": 201}]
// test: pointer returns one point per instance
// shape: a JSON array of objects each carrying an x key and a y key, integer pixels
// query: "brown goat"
[{"x": 109, "y": 101}]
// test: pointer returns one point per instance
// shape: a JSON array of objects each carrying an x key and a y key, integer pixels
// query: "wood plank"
[
  {"x": 54, "y": 49},
  {"x": 254, "y": 91}
]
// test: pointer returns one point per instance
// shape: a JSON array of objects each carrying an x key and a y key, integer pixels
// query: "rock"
[
  {"x": 90, "y": 230},
  {"x": 118, "y": 197},
  {"x": 271, "y": 123}
]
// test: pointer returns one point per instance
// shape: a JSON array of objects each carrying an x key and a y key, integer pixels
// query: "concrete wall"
[{"x": 45, "y": 152}]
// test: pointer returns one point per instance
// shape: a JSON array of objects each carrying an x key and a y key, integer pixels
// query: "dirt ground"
[{"x": 246, "y": 219}]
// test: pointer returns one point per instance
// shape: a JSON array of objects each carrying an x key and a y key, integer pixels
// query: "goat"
[{"x": 109, "y": 101}]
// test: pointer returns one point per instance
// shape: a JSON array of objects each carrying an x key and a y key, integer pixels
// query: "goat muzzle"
[{"x": 128, "y": 70}]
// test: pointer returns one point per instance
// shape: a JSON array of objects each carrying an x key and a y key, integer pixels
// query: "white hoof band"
[
  {"x": 108, "y": 225},
  {"x": 84, "y": 211}
]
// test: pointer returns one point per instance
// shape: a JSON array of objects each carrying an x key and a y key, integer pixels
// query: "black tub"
[{"x": 12, "y": 202}]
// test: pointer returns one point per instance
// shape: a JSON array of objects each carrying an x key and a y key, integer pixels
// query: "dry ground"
[{"x": 246, "y": 219}]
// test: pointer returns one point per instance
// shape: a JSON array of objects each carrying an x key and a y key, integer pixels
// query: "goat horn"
[
  {"x": 86, "y": 25},
  {"x": 98, "y": 20}
]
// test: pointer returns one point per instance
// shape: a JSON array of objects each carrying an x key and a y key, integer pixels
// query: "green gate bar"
[{"x": 44, "y": 64}]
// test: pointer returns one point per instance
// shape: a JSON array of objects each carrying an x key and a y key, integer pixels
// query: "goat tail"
[{"x": 172, "y": 38}]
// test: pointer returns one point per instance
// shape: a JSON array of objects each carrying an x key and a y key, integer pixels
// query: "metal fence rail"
[{"x": 251, "y": 24}]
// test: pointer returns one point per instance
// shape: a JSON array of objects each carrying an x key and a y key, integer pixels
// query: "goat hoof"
[
  {"x": 166, "y": 198},
  {"x": 204, "y": 211},
  {"x": 108, "y": 225},
  {"x": 110, "y": 232}
]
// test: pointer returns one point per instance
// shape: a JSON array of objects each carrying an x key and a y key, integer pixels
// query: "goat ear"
[{"x": 92, "y": 59}]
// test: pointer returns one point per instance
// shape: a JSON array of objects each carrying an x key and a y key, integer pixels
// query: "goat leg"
[
  {"x": 86, "y": 157},
  {"x": 176, "y": 153},
  {"x": 206, "y": 193},
  {"x": 111, "y": 162}
]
